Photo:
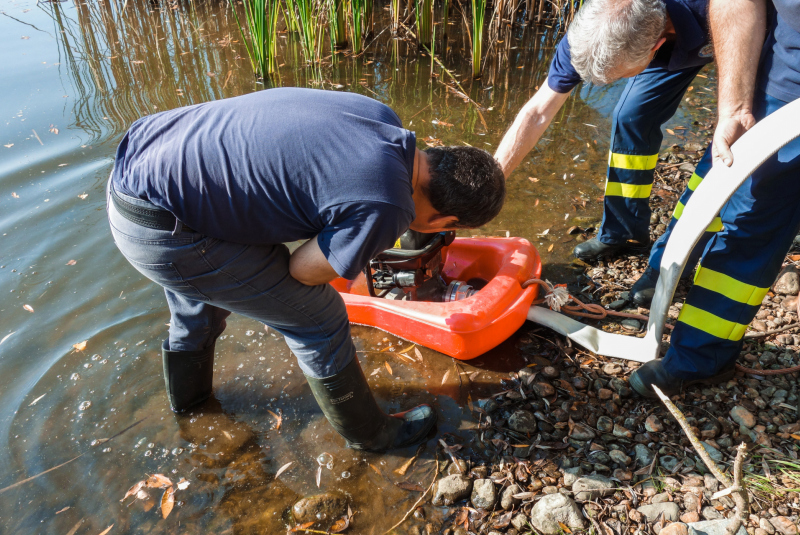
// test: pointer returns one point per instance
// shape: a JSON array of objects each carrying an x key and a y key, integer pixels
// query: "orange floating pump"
[{"x": 459, "y": 296}]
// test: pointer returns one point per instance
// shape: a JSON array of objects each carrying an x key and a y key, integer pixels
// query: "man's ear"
[
  {"x": 443, "y": 221},
  {"x": 658, "y": 44}
]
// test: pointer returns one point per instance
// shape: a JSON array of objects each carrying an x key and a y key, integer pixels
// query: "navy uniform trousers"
[
  {"x": 649, "y": 100},
  {"x": 739, "y": 263}
]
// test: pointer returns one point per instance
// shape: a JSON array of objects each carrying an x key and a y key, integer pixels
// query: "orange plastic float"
[{"x": 462, "y": 329}]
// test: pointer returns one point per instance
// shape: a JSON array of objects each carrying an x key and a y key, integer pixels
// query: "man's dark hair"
[{"x": 465, "y": 182}]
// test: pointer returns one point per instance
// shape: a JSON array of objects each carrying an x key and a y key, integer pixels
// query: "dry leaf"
[
  {"x": 80, "y": 346},
  {"x": 32, "y": 403},
  {"x": 107, "y": 529},
  {"x": 133, "y": 490},
  {"x": 158, "y": 481},
  {"x": 302, "y": 527},
  {"x": 446, "y": 375},
  {"x": 54, "y": 130},
  {"x": 72, "y": 263},
  {"x": 412, "y": 346},
  {"x": 533, "y": 179},
  {"x": 282, "y": 469},
  {"x": 377, "y": 471},
  {"x": 441, "y": 123},
  {"x": 536, "y": 203},
  {"x": 418, "y": 353},
  {"x": 279, "y": 419},
  {"x": 183, "y": 484},
  {"x": 28, "y": 308},
  {"x": 319, "y": 475},
  {"x": 62, "y": 510},
  {"x": 407, "y": 485},
  {"x": 167, "y": 502},
  {"x": 551, "y": 247},
  {"x": 670, "y": 132},
  {"x": 564, "y": 527},
  {"x": 389, "y": 368}
]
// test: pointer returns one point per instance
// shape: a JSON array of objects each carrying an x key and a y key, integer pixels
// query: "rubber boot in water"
[
  {"x": 348, "y": 404},
  {"x": 188, "y": 376}
]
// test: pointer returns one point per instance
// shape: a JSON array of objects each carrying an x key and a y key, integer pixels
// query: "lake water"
[{"x": 74, "y": 76}]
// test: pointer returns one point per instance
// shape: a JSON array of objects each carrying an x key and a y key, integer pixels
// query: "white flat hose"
[{"x": 766, "y": 138}]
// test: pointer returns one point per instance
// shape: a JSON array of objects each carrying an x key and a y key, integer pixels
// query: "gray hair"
[{"x": 610, "y": 36}]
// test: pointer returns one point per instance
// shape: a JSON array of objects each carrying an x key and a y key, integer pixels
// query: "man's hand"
[
  {"x": 729, "y": 129},
  {"x": 309, "y": 266},
  {"x": 528, "y": 127}
]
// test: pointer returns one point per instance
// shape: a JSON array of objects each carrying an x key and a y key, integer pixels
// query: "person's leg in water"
[
  {"x": 649, "y": 100},
  {"x": 738, "y": 267},
  {"x": 643, "y": 290},
  {"x": 207, "y": 278}
]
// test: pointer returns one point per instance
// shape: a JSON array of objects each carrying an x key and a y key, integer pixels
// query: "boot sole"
[
  {"x": 624, "y": 250},
  {"x": 645, "y": 391}
]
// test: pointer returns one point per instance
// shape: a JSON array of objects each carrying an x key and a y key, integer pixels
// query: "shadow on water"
[{"x": 80, "y": 75}]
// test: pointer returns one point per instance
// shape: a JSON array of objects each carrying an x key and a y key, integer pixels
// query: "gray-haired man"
[{"x": 661, "y": 45}]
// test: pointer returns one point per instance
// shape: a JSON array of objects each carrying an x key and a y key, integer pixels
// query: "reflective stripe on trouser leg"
[
  {"x": 657, "y": 252},
  {"x": 739, "y": 264},
  {"x": 647, "y": 102}
]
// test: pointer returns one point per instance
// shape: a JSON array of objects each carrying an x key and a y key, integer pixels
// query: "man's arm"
[
  {"x": 737, "y": 28},
  {"x": 528, "y": 127},
  {"x": 309, "y": 266}
]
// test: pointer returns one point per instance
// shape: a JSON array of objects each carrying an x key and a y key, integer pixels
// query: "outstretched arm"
[
  {"x": 738, "y": 28},
  {"x": 528, "y": 127}
]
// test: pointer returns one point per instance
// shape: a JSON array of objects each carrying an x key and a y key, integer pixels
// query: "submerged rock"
[{"x": 320, "y": 507}]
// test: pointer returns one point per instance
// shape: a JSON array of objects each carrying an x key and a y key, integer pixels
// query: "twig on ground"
[
  {"x": 736, "y": 488},
  {"x": 413, "y": 507}
]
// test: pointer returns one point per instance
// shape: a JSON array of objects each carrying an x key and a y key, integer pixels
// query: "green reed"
[
  {"x": 337, "y": 21},
  {"x": 261, "y": 39},
  {"x": 424, "y": 10},
  {"x": 290, "y": 16},
  {"x": 478, "y": 16},
  {"x": 445, "y": 16},
  {"x": 357, "y": 10},
  {"x": 395, "y": 15},
  {"x": 311, "y": 28}
]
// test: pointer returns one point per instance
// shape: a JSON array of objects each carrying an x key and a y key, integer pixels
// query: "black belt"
[{"x": 155, "y": 217}]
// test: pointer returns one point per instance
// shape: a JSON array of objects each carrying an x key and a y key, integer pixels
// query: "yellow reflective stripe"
[
  {"x": 631, "y": 191},
  {"x": 729, "y": 287},
  {"x": 630, "y": 161},
  {"x": 715, "y": 225},
  {"x": 711, "y": 324},
  {"x": 694, "y": 181}
]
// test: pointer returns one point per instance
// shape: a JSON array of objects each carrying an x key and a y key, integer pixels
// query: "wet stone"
[
  {"x": 554, "y": 509},
  {"x": 612, "y": 368},
  {"x": 605, "y": 424},
  {"x": 452, "y": 489},
  {"x": 631, "y": 325},
  {"x": 621, "y": 432},
  {"x": 652, "y": 512},
  {"x": 326, "y": 506},
  {"x": 544, "y": 390},
  {"x": 484, "y": 495},
  {"x": 507, "y": 499},
  {"x": 582, "y": 432},
  {"x": 619, "y": 457},
  {"x": 668, "y": 462},
  {"x": 523, "y": 422},
  {"x": 643, "y": 454},
  {"x": 592, "y": 487},
  {"x": 550, "y": 372},
  {"x": 742, "y": 416},
  {"x": 620, "y": 387},
  {"x": 653, "y": 425},
  {"x": 713, "y": 452}
]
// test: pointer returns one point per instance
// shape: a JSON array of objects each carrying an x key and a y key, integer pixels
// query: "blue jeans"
[{"x": 205, "y": 279}]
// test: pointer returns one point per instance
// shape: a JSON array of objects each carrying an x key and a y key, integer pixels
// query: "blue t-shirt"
[
  {"x": 779, "y": 73},
  {"x": 692, "y": 46},
  {"x": 277, "y": 166}
]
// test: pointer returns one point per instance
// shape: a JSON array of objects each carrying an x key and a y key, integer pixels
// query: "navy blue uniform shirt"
[
  {"x": 779, "y": 73},
  {"x": 692, "y": 46},
  {"x": 277, "y": 166}
]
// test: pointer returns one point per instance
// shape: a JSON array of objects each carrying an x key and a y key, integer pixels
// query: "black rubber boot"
[
  {"x": 653, "y": 373},
  {"x": 348, "y": 404},
  {"x": 644, "y": 289},
  {"x": 188, "y": 376},
  {"x": 593, "y": 250}
]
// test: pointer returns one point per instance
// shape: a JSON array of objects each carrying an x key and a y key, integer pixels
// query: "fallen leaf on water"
[
  {"x": 54, "y": 130},
  {"x": 80, "y": 346},
  {"x": 158, "y": 481},
  {"x": 28, "y": 308},
  {"x": 282, "y": 469},
  {"x": 72, "y": 263},
  {"x": 227, "y": 435},
  {"x": 446, "y": 375},
  {"x": 412, "y": 346},
  {"x": 83, "y": 195},
  {"x": 670, "y": 132},
  {"x": 564, "y": 527},
  {"x": 469, "y": 401},
  {"x": 551, "y": 247},
  {"x": 302, "y": 527},
  {"x": 433, "y": 142},
  {"x": 137, "y": 62},
  {"x": 441, "y": 123},
  {"x": 319, "y": 475},
  {"x": 9, "y": 145},
  {"x": 462, "y": 518},
  {"x": 62, "y": 510},
  {"x": 407, "y": 485},
  {"x": 533, "y": 179},
  {"x": 32, "y": 403},
  {"x": 389, "y": 368},
  {"x": 107, "y": 529},
  {"x": 536, "y": 203},
  {"x": 133, "y": 490},
  {"x": 340, "y": 525},
  {"x": 418, "y": 353},
  {"x": 167, "y": 502},
  {"x": 278, "y": 418},
  {"x": 211, "y": 74},
  {"x": 377, "y": 471},
  {"x": 182, "y": 484}
]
